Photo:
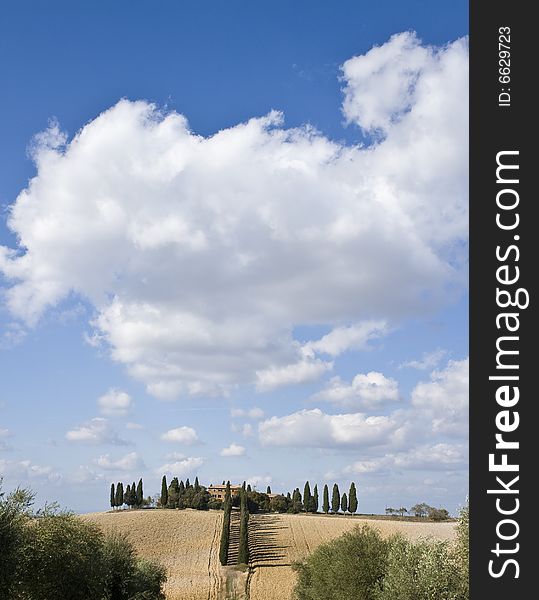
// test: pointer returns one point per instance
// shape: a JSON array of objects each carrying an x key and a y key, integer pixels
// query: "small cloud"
[
  {"x": 233, "y": 450},
  {"x": 132, "y": 425},
  {"x": 247, "y": 430},
  {"x": 303, "y": 371},
  {"x": 96, "y": 431},
  {"x": 353, "y": 337},
  {"x": 251, "y": 413},
  {"x": 181, "y": 468},
  {"x": 181, "y": 435},
  {"x": 429, "y": 360},
  {"x": 114, "y": 403},
  {"x": 366, "y": 391},
  {"x": 129, "y": 462}
]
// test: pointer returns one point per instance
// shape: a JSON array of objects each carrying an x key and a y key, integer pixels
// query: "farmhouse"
[{"x": 218, "y": 491}]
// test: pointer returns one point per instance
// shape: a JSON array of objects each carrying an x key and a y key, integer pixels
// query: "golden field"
[
  {"x": 276, "y": 541},
  {"x": 186, "y": 542}
]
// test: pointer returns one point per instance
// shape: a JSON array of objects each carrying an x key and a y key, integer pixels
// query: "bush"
[
  {"x": 51, "y": 555},
  {"x": 419, "y": 571},
  {"x": 351, "y": 566},
  {"x": 64, "y": 560},
  {"x": 13, "y": 516}
]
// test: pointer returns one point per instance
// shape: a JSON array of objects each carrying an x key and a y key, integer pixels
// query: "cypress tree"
[
  {"x": 112, "y": 496},
  {"x": 128, "y": 499},
  {"x": 268, "y": 490},
  {"x": 314, "y": 501},
  {"x": 120, "y": 494},
  {"x": 335, "y": 499},
  {"x": 325, "y": 502},
  {"x": 187, "y": 484},
  {"x": 344, "y": 503},
  {"x": 307, "y": 496},
  {"x": 352, "y": 498},
  {"x": 288, "y": 496},
  {"x": 249, "y": 488},
  {"x": 197, "y": 485},
  {"x": 243, "y": 550},
  {"x": 164, "y": 491},
  {"x": 140, "y": 493},
  {"x": 225, "y": 535},
  {"x": 181, "y": 488},
  {"x": 174, "y": 493}
]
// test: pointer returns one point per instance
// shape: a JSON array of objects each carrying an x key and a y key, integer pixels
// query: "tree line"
[
  {"x": 295, "y": 502},
  {"x": 53, "y": 554},
  {"x": 133, "y": 496},
  {"x": 421, "y": 510}
]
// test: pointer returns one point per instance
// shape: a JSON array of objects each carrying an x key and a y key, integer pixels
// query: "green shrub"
[
  {"x": 351, "y": 566},
  {"x": 419, "y": 571},
  {"x": 64, "y": 560}
]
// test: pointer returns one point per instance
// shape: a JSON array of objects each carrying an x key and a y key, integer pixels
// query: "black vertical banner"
[{"x": 504, "y": 251}]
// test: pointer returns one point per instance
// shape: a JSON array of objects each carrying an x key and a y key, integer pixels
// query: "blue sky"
[{"x": 306, "y": 261}]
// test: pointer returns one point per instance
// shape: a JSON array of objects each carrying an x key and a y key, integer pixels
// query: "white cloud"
[
  {"x": 426, "y": 457},
  {"x": 303, "y": 371},
  {"x": 4, "y": 433},
  {"x": 233, "y": 450},
  {"x": 429, "y": 360},
  {"x": 143, "y": 219},
  {"x": 444, "y": 400},
  {"x": 181, "y": 468},
  {"x": 313, "y": 428},
  {"x": 341, "y": 339},
  {"x": 249, "y": 413},
  {"x": 181, "y": 435},
  {"x": 131, "y": 425},
  {"x": 27, "y": 470},
  {"x": 247, "y": 430},
  {"x": 365, "y": 391},
  {"x": 114, "y": 403},
  {"x": 96, "y": 431},
  {"x": 129, "y": 462}
]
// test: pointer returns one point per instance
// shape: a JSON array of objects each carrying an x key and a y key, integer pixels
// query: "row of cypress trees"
[
  {"x": 133, "y": 495},
  {"x": 310, "y": 502},
  {"x": 346, "y": 503},
  {"x": 225, "y": 535}
]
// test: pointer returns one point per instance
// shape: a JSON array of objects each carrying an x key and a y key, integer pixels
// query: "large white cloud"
[
  {"x": 316, "y": 429},
  {"x": 368, "y": 391},
  {"x": 201, "y": 255},
  {"x": 428, "y": 457},
  {"x": 444, "y": 400}
]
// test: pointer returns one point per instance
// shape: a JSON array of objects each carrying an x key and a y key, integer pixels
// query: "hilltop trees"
[
  {"x": 335, "y": 499},
  {"x": 139, "y": 493},
  {"x": 112, "y": 496},
  {"x": 325, "y": 503},
  {"x": 344, "y": 503},
  {"x": 314, "y": 502},
  {"x": 307, "y": 497},
  {"x": 352, "y": 498},
  {"x": 119, "y": 494},
  {"x": 164, "y": 491}
]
